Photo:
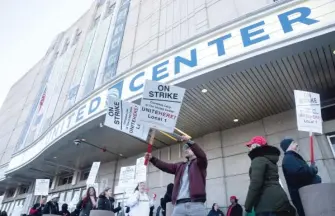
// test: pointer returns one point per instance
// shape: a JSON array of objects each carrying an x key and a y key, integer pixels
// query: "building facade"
[{"x": 239, "y": 63}]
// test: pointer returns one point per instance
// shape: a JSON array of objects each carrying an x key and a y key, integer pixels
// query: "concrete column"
[
  {"x": 318, "y": 199},
  {"x": 76, "y": 176},
  {"x": 54, "y": 182}
]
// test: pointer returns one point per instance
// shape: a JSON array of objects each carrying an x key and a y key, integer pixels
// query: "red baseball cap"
[
  {"x": 257, "y": 140},
  {"x": 233, "y": 197}
]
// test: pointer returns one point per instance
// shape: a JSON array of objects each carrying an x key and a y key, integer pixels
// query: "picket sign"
[
  {"x": 160, "y": 105},
  {"x": 123, "y": 116},
  {"x": 308, "y": 111},
  {"x": 42, "y": 187},
  {"x": 127, "y": 175}
]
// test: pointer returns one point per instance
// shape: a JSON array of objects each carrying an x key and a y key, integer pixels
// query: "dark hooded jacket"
[
  {"x": 167, "y": 198},
  {"x": 298, "y": 174},
  {"x": 235, "y": 210},
  {"x": 265, "y": 193},
  {"x": 51, "y": 208},
  {"x": 212, "y": 212},
  {"x": 107, "y": 204},
  {"x": 65, "y": 211}
]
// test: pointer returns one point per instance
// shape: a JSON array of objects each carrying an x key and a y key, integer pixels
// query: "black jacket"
[
  {"x": 107, "y": 204},
  {"x": 236, "y": 210},
  {"x": 298, "y": 174},
  {"x": 167, "y": 198},
  {"x": 51, "y": 208},
  {"x": 215, "y": 213},
  {"x": 65, "y": 211},
  {"x": 85, "y": 205}
]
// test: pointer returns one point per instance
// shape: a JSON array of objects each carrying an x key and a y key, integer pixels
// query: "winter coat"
[
  {"x": 235, "y": 210},
  {"x": 107, "y": 204},
  {"x": 167, "y": 198},
  {"x": 197, "y": 173},
  {"x": 36, "y": 210},
  {"x": 65, "y": 211},
  {"x": 298, "y": 174},
  {"x": 139, "y": 204},
  {"x": 51, "y": 208},
  {"x": 265, "y": 193},
  {"x": 212, "y": 212},
  {"x": 85, "y": 205}
]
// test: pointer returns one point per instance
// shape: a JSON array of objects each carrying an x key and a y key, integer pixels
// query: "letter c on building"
[{"x": 132, "y": 86}]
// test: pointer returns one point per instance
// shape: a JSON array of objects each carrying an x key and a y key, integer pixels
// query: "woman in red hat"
[
  {"x": 265, "y": 193},
  {"x": 234, "y": 209}
]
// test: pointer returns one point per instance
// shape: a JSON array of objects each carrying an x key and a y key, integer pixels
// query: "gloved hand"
[{"x": 314, "y": 168}]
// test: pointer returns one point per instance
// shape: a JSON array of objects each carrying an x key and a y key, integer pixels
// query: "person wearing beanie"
[
  {"x": 234, "y": 209},
  {"x": 265, "y": 193},
  {"x": 297, "y": 172}
]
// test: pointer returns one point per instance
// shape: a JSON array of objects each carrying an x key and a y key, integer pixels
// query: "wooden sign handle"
[{"x": 151, "y": 142}]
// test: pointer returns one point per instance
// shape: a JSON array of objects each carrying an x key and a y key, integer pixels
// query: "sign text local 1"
[
  {"x": 308, "y": 109},
  {"x": 123, "y": 116},
  {"x": 161, "y": 105}
]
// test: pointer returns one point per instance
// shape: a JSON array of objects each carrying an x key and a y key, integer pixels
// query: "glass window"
[
  {"x": 66, "y": 45},
  {"x": 331, "y": 141},
  {"x": 76, "y": 36},
  {"x": 65, "y": 180},
  {"x": 68, "y": 196},
  {"x": 95, "y": 22},
  {"x": 10, "y": 192},
  {"x": 109, "y": 9},
  {"x": 23, "y": 189},
  {"x": 84, "y": 175}
]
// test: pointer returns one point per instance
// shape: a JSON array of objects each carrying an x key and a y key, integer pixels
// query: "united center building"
[{"x": 240, "y": 64}]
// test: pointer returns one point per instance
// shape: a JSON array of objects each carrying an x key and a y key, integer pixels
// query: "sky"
[{"x": 27, "y": 28}]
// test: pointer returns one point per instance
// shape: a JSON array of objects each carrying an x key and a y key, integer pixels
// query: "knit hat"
[{"x": 285, "y": 143}]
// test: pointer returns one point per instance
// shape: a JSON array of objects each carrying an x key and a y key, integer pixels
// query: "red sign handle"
[
  {"x": 311, "y": 146},
  {"x": 151, "y": 142}
]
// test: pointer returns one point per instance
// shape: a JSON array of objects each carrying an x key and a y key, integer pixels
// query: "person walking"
[
  {"x": 265, "y": 193},
  {"x": 88, "y": 203},
  {"x": 106, "y": 201},
  {"x": 297, "y": 172},
  {"x": 234, "y": 209},
  {"x": 189, "y": 191},
  {"x": 215, "y": 211},
  {"x": 139, "y": 202},
  {"x": 52, "y": 207}
]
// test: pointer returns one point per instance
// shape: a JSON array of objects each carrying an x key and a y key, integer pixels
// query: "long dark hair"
[
  {"x": 87, "y": 197},
  {"x": 3, "y": 213}
]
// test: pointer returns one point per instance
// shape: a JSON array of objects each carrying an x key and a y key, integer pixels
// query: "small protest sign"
[
  {"x": 123, "y": 116},
  {"x": 160, "y": 105},
  {"x": 42, "y": 187},
  {"x": 127, "y": 175},
  {"x": 141, "y": 170},
  {"x": 308, "y": 110}
]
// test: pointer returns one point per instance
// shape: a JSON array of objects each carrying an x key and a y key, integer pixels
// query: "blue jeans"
[{"x": 190, "y": 209}]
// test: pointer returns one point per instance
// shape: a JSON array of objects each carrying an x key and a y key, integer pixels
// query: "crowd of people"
[{"x": 187, "y": 196}]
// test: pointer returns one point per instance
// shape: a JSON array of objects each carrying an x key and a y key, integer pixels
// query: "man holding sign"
[{"x": 189, "y": 191}]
